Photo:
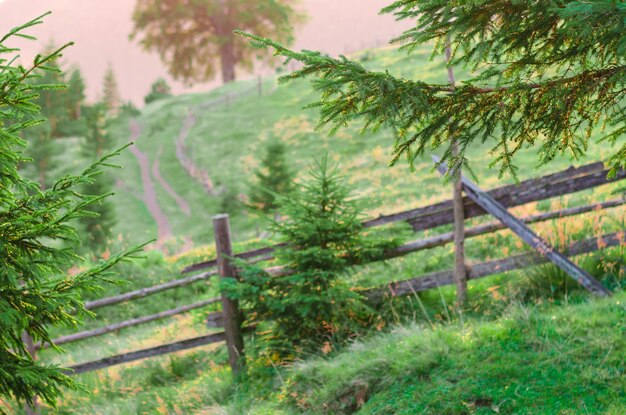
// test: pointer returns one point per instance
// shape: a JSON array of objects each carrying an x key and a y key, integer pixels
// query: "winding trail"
[
  {"x": 195, "y": 172},
  {"x": 182, "y": 203},
  {"x": 149, "y": 194},
  {"x": 199, "y": 174}
]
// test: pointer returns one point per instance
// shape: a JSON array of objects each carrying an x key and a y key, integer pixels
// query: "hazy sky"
[{"x": 100, "y": 30}]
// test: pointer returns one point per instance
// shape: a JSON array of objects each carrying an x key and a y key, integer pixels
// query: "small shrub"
[{"x": 159, "y": 90}]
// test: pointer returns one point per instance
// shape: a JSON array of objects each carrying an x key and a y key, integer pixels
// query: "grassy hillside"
[
  {"x": 228, "y": 140},
  {"x": 532, "y": 359}
]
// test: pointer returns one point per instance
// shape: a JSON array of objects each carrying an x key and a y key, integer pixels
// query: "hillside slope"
[
  {"x": 534, "y": 359},
  {"x": 542, "y": 360},
  {"x": 219, "y": 142}
]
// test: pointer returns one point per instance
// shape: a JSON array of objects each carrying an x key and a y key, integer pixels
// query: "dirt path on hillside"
[
  {"x": 149, "y": 193},
  {"x": 198, "y": 174},
  {"x": 182, "y": 203}
]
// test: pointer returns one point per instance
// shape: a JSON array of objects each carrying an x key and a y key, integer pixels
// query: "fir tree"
[
  {"x": 72, "y": 124},
  {"x": 75, "y": 94},
  {"x": 96, "y": 144},
  {"x": 38, "y": 240},
  {"x": 110, "y": 93},
  {"x": 43, "y": 150},
  {"x": 160, "y": 89},
  {"x": 273, "y": 178},
  {"x": 53, "y": 101},
  {"x": 42, "y": 147},
  {"x": 324, "y": 238},
  {"x": 550, "y": 74},
  {"x": 195, "y": 37}
]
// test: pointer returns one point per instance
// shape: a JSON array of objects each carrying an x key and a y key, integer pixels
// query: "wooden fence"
[{"x": 428, "y": 217}]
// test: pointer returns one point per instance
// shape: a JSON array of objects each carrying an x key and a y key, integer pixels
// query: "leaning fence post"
[{"x": 230, "y": 307}]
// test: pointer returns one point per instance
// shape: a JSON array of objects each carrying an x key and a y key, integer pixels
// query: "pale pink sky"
[{"x": 100, "y": 30}]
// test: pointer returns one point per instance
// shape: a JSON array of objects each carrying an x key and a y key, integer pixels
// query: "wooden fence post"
[
  {"x": 230, "y": 307},
  {"x": 460, "y": 271}
]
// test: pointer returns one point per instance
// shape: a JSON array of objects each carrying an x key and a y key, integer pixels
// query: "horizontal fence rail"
[
  {"x": 142, "y": 354},
  {"x": 441, "y": 278},
  {"x": 446, "y": 238},
  {"x": 558, "y": 184},
  {"x": 128, "y": 323},
  {"x": 144, "y": 292}
]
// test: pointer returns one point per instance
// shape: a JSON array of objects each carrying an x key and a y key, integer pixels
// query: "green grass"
[
  {"x": 531, "y": 360},
  {"x": 554, "y": 355}
]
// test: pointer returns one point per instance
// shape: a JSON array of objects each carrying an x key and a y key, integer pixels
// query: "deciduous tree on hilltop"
[{"x": 193, "y": 36}]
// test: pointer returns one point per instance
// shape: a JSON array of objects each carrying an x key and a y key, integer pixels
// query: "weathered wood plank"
[
  {"x": 446, "y": 238},
  {"x": 445, "y": 208},
  {"x": 128, "y": 323},
  {"x": 142, "y": 354},
  {"x": 492, "y": 206},
  {"x": 143, "y": 292},
  {"x": 517, "y": 198},
  {"x": 261, "y": 254},
  {"x": 442, "y": 278}
]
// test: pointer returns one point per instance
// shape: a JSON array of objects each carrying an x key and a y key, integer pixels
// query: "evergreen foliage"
[
  {"x": 193, "y": 36},
  {"x": 43, "y": 150},
  {"x": 273, "y": 178},
  {"x": 110, "y": 93},
  {"x": 325, "y": 238},
  {"x": 75, "y": 94},
  {"x": 52, "y": 101},
  {"x": 96, "y": 144},
  {"x": 160, "y": 89},
  {"x": 73, "y": 124},
  {"x": 37, "y": 240},
  {"x": 549, "y": 74}
]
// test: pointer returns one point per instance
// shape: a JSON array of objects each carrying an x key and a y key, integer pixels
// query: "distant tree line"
[{"x": 64, "y": 115}]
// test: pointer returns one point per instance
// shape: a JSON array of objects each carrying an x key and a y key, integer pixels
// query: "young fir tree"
[
  {"x": 38, "y": 241},
  {"x": 73, "y": 125},
  {"x": 53, "y": 101},
  {"x": 159, "y": 90},
  {"x": 43, "y": 150},
  {"x": 75, "y": 94},
  {"x": 110, "y": 93},
  {"x": 96, "y": 144},
  {"x": 273, "y": 178},
  {"x": 550, "y": 74},
  {"x": 324, "y": 239}
]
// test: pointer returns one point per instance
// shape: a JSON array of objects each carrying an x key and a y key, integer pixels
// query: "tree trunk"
[
  {"x": 43, "y": 166},
  {"x": 227, "y": 58},
  {"x": 32, "y": 350},
  {"x": 460, "y": 272}
]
